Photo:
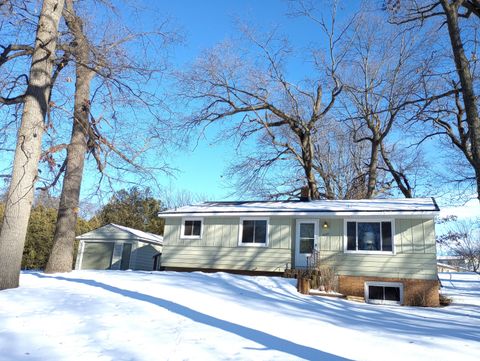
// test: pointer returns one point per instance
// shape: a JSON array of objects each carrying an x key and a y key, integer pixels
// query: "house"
[
  {"x": 457, "y": 262},
  {"x": 383, "y": 250},
  {"x": 119, "y": 248},
  {"x": 444, "y": 267}
]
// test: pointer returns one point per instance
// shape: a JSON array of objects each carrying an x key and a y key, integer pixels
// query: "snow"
[
  {"x": 115, "y": 315},
  {"x": 155, "y": 238},
  {"x": 142, "y": 236},
  {"x": 332, "y": 207}
]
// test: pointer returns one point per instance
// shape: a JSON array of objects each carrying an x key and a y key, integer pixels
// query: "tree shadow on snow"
[
  {"x": 270, "y": 342},
  {"x": 423, "y": 322}
]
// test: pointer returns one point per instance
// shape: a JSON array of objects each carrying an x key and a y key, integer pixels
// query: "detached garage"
[{"x": 119, "y": 248}]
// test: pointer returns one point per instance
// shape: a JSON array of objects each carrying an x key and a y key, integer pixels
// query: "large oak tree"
[{"x": 28, "y": 148}]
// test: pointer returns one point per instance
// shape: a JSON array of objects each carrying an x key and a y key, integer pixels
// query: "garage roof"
[{"x": 106, "y": 232}]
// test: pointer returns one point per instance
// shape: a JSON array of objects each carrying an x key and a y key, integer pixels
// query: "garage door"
[{"x": 97, "y": 255}]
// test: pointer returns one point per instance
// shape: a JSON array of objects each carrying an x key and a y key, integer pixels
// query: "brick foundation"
[{"x": 415, "y": 292}]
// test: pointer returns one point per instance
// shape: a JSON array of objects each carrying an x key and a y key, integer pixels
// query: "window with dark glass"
[
  {"x": 386, "y": 236},
  {"x": 192, "y": 228},
  {"x": 369, "y": 236},
  {"x": 254, "y": 231},
  {"x": 351, "y": 236},
  {"x": 384, "y": 293},
  {"x": 307, "y": 237}
]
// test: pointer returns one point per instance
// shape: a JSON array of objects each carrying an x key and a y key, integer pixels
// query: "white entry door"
[{"x": 305, "y": 240}]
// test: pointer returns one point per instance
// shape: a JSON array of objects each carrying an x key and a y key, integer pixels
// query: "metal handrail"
[{"x": 313, "y": 261}]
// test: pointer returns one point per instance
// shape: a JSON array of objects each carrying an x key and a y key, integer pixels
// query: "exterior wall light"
[{"x": 325, "y": 225}]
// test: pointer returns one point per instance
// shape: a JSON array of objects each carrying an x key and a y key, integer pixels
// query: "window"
[
  {"x": 369, "y": 236},
  {"x": 253, "y": 232},
  {"x": 192, "y": 228},
  {"x": 307, "y": 238},
  {"x": 384, "y": 292}
]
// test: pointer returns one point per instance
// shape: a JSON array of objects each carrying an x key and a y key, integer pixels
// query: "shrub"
[
  {"x": 328, "y": 278},
  {"x": 445, "y": 300}
]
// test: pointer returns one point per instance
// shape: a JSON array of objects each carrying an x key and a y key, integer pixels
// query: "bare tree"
[
  {"x": 381, "y": 85},
  {"x": 340, "y": 162},
  {"x": 107, "y": 61},
  {"x": 254, "y": 92},
  {"x": 172, "y": 198},
  {"x": 28, "y": 149},
  {"x": 463, "y": 127},
  {"x": 462, "y": 238},
  {"x": 61, "y": 257}
]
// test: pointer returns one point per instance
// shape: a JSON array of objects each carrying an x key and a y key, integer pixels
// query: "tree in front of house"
[
  {"x": 36, "y": 104},
  {"x": 40, "y": 231},
  {"x": 134, "y": 208},
  {"x": 106, "y": 64}
]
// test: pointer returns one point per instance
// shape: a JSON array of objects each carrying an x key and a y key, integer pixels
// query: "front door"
[{"x": 306, "y": 238}]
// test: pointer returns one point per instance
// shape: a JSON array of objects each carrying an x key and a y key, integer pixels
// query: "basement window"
[
  {"x": 385, "y": 293},
  {"x": 192, "y": 228}
]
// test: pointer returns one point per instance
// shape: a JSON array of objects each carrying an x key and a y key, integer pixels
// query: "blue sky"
[
  {"x": 200, "y": 166},
  {"x": 205, "y": 24}
]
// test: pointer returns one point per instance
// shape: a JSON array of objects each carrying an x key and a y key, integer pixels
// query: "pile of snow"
[{"x": 114, "y": 315}]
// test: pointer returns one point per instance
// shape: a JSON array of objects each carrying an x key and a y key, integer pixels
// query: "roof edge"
[
  {"x": 425, "y": 213},
  {"x": 122, "y": 228}
]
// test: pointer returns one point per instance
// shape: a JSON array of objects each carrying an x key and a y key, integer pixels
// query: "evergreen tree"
[
  {"x": 133, "y": 208},
  {"x": 40, "y": 231}
]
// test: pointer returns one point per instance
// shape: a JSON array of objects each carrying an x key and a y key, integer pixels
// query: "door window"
[{"x": 307, "y": 237}]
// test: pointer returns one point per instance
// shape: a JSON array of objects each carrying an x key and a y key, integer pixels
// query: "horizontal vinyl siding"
[
  {"x": 142, "y": 256},
  {"x": 235, "y": 258}
]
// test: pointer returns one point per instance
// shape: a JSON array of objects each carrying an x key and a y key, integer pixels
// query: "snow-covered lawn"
[{"x": 114, "y": 315}]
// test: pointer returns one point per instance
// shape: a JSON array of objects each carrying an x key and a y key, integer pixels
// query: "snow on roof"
[
  {"x": 449, "y": 266},
  {"x": 141, "y": 234},
  {"x": 331, "y": 207}
]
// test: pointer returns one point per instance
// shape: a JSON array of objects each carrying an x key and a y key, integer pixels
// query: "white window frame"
[
  {"x": 240, "y": 232},
  {"x": 383, "y": 284},
  {"x": 367, "y": 220},
  {"x": 182, "y": 228}
]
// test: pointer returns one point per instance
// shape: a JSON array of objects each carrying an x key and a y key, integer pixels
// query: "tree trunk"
[
  {"x": 307, "y": 155},
  {"x": 463, "y": 70},
  {"x": 61, "y": 257},
  {"x": 400, "y": 179},
  {"x": 372, "y": 169},
  {"x": 29, "y": 142}
]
